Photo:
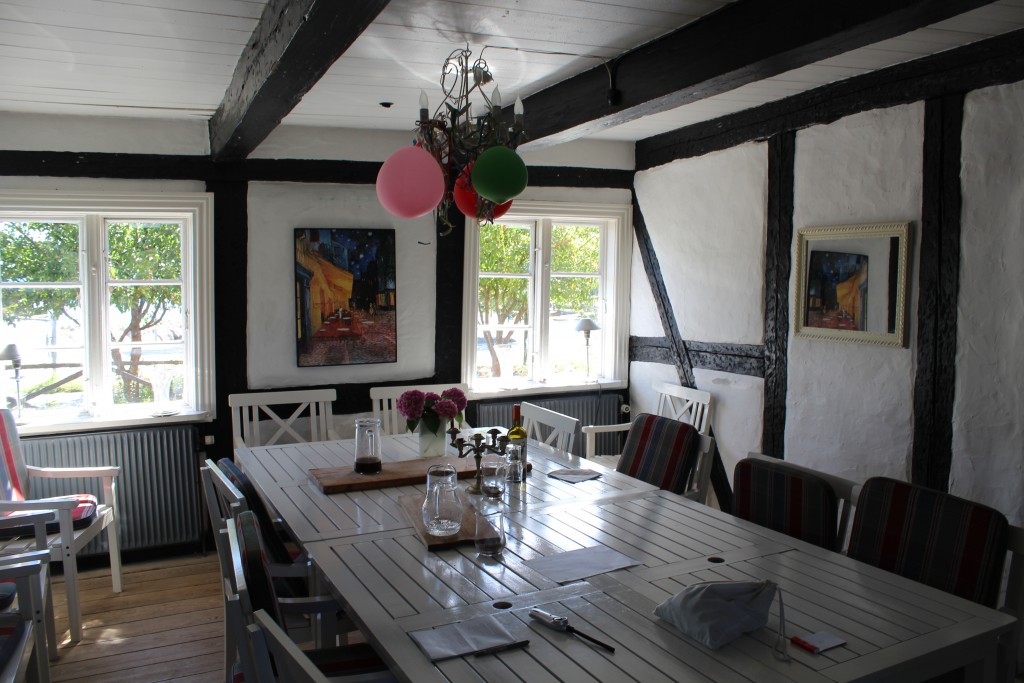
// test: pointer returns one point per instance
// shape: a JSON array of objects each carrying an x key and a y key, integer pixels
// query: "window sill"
[
  {"x": 87, "y": 424},
  {"x": 537, "y": 389}
]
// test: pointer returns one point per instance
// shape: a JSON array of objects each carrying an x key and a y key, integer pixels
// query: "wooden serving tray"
[
  {"x": 413, "y": 508},
  {"x": 402, "y": 473}
]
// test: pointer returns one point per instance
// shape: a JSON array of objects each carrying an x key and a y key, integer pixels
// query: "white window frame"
[
  {"x": 91, "y": 210},
  {"x": 612, "y": 368}
]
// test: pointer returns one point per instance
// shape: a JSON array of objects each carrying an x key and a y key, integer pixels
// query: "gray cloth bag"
[{"x": 717, "y": 612}]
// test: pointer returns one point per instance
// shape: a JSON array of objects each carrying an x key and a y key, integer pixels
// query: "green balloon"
[{"x": 499, "y": 174}]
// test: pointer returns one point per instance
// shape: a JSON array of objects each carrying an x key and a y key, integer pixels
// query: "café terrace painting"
[{"x": 345, "y": 296}]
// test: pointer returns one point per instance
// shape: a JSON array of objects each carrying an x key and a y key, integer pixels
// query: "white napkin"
[
  {"x": 579, "y": 564},
  {"x": 462, "y": 638},
  {"x": 574, "y": 476}
]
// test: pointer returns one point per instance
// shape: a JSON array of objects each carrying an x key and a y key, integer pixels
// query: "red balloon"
[{"x": 466, "y": 198}]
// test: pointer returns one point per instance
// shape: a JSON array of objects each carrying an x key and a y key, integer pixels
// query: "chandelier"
[{"x": 459, "y": 156}]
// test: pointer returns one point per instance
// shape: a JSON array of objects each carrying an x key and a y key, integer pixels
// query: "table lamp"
[
  {"x": 586, "y": 325},
  {"x": 10, "y": 352}
]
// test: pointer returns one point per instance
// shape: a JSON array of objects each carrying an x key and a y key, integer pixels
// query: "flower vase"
[{"x": 431, "y": 444}]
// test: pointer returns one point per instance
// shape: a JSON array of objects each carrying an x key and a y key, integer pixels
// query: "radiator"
[
  {"x": 157, "y": 490},
  {"x": 589, "y": 409}
]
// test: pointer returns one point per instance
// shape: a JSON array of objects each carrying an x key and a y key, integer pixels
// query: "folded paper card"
[
  {"x": 717, "y": 612},
  {"x": 574, "y": 476},
  {"x": 579, "y": 564},
  {"x": 463, "y": 638}
]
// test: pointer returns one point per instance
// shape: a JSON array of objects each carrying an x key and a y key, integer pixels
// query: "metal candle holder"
[{"x": 478, "y": 448}]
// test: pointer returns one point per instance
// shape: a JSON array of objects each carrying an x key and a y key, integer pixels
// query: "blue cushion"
[
  {"x": 7, "y": 592},
  {"x": 12, "y": 627}
]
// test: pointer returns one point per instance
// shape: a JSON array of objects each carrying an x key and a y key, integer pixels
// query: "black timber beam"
[
  {"x": 744, "y": 42},
  {"x": 293, "y": 46}
]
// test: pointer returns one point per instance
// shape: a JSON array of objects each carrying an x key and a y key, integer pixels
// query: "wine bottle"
[{"x": 517, "y": 438}]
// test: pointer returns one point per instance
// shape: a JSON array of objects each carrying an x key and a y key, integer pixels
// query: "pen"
[
  {"x": 801, "y": 643},
  {"x": 502, "y": 647}
]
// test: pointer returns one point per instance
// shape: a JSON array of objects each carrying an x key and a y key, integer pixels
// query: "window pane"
[
  {"x": 575, "y": 295},
  {"x": 504, "y": 248},
  {"x": 144, "y": 251},
  {"x": 575, "y": 249},
  {"x": 572, "y": 298},
  {"x": 150, "y": 314},
  {"x": 503, "y": 301},
  {"x": 45, "y": 325},
  {"x": 147, "y": 374},
  {"x": 38, "y": 252},
  {"x": 502, "y": 353}
]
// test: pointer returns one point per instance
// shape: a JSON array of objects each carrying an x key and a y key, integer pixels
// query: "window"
[
  {"x": 532, "y": 276},
  {"x": 108, "y": 300}
]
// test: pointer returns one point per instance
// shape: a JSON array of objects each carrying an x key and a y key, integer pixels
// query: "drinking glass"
[
  {"x": 493, "y": 470},
  {"x": 515, "y": 465},
  {"x": 442, "y": 508},
  {"x": 367, "y": 446},
  {"x": 490, "y": 530}
]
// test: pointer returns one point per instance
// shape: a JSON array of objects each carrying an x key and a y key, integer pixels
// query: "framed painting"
[
  {"x": 345, "y": 296},
  {"x": 851, "y": 283}
]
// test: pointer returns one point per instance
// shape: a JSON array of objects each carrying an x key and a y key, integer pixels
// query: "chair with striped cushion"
[
  {"x": 21, "y": 656},
  {"x": 80, "y": 518},
  {"x": 795, "y": 502},
  {"x": 256, "y": 591},
  {"x": 665, "y": 452},
  {"x": 949, "y": 543}
]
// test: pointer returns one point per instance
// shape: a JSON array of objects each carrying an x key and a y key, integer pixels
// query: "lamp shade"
[
  {"x": 586, "y": 325},
  {"x": 10, "y": 352}
]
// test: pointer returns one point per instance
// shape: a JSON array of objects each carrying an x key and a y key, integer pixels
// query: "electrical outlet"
[{"x": 208, "y": 440}]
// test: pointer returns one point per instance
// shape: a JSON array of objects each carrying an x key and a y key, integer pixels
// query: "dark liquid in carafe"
[{"x": 367, "y": 466}]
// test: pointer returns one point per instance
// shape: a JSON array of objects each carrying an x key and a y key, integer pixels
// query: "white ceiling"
[{"x": 175, "y": 58}]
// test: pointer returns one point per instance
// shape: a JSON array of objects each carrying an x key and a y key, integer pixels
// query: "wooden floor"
[{"x": 165, "y": 626}]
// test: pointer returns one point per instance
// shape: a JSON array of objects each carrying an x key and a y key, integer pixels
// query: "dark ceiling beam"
[
  {"x": 293, "y": 46},
  {"x": 744, "y": 42}
]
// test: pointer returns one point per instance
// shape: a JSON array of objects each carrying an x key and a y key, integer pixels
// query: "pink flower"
[
  {"x": 411, "y": 404},
  {"x": 455, "y": 395},
  {"x": 446, "y": 409}
]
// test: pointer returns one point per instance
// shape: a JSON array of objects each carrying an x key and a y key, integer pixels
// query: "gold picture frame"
[{"x": 851, "y": 283}]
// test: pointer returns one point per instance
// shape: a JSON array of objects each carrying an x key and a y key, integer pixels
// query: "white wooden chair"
[
  {"x": 44, "y": 629},
  {"x": 68, "y": 541},
  {"x": 385, "y": 404},
  {"x": 314, "y": 407},
  {"x": 562, "y": 427},
  {"x": 28, "y": 659},
  {"x": 692, "y": 406}
]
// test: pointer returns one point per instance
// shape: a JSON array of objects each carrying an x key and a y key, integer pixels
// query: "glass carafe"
[
  {"x": 442, "y": 508},
  {"x": 367, "y": 446}
]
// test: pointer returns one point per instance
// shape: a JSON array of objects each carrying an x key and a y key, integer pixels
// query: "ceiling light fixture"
[{"x": 458, "y": 157}]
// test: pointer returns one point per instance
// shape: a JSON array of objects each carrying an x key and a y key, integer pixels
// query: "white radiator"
[
  {"x": 157, "y": 490},
  {"x": 589, "y": 409}
]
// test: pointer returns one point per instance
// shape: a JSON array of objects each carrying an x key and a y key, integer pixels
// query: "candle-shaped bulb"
[
  {"x": 496, "y": 98},
  {"x": 424, "y": 106},
  {"x": 518, "y": 109}
]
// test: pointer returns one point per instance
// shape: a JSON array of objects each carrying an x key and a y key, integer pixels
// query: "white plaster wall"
[
  {"x": 988, "y": 413},
  {"x": 644, "y": 320},
  {"x": 41, "y": 132},
  {"x": 706, "y": 219},
  {"x": 275, "y": 210},
  {"x": 849, "y": 407}
]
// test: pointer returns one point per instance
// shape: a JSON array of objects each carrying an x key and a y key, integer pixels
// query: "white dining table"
[{"x": 378, "y": 565}]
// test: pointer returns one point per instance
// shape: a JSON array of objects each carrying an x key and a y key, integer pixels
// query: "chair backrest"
[
  {"x": 688, "y": 405},
  {"x": 663, "y": 452},
  {"x": 936, "y": 538},
  {"x": 251, "y": 500},
  {"x": 314, "y": 405},
  {"x": 547, "y": 426},
  {"x": 252, "y": 577},
  {"x": 224, "y": 499},
  {"x": 795, "y": 502},
  {"x": 385, "y": 403},
  {"x": 13, "y": 473},
  {"x": 268, "y": 640}
]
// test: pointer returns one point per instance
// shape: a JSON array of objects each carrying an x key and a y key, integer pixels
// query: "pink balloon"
[{"x": 410, "y": 183}]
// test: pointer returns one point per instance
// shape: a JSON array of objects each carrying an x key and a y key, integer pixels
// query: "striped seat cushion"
[
  {"x": 938, "y": 539},
  {"x": 660, "y": 451},
  {"x": 795, "y": 503},
  {"x": 81, "y": 517}
]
